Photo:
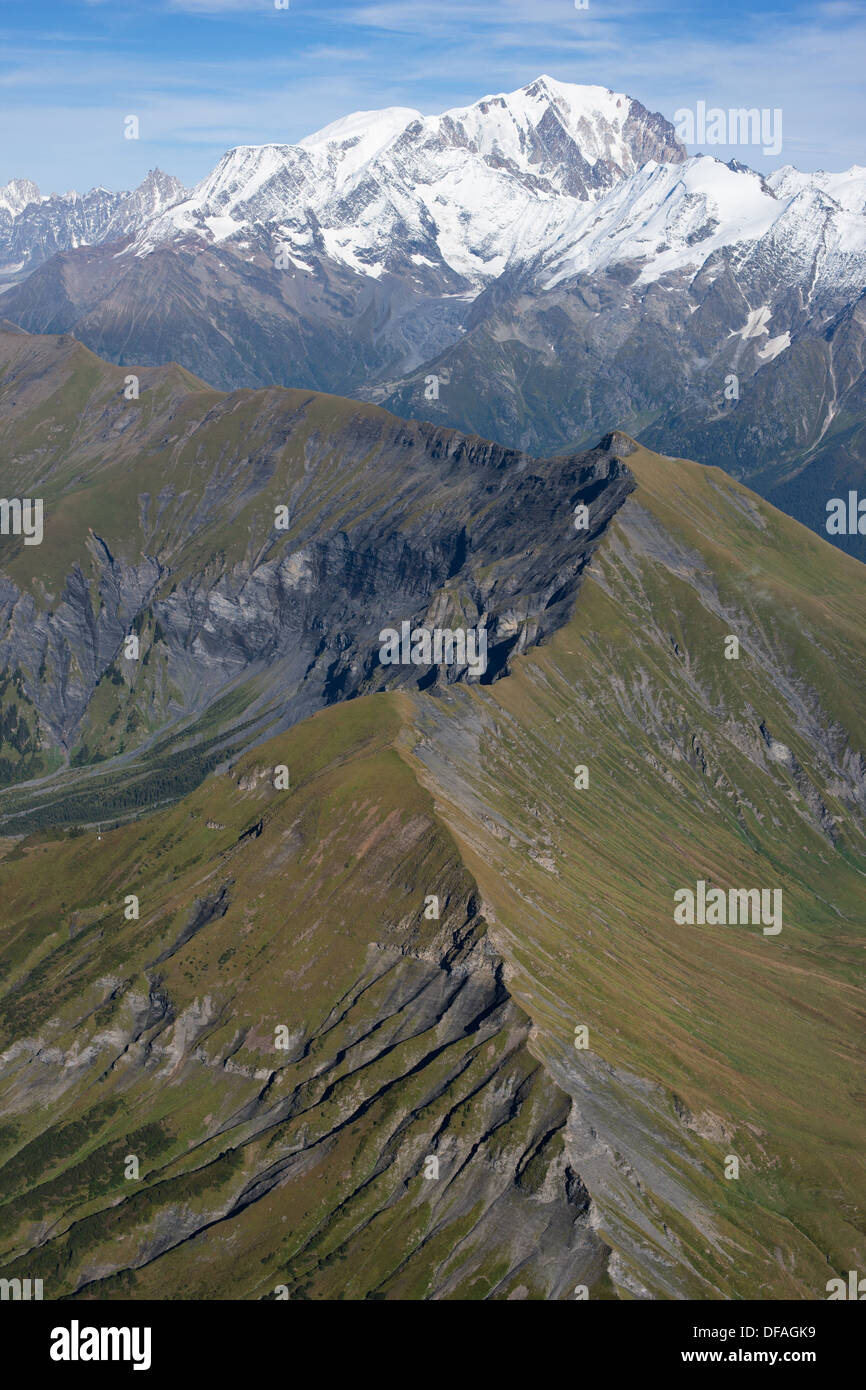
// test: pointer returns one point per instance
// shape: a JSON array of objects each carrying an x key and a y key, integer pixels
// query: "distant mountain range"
[
  {"x": 536, "y": 268},
  {"x": 34, "y": 226}
]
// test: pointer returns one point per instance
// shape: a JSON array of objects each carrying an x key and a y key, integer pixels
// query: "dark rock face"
[
  {"x": 650, "y": 136},
  {"x": 390, "y": 523},
  {"x": 74, "y": 643}
]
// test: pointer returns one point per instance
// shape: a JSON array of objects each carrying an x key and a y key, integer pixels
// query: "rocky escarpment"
[{"x": 254, "y": 546}]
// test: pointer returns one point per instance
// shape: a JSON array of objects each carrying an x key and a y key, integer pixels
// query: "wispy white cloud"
[{"x": 262, "y": 75}]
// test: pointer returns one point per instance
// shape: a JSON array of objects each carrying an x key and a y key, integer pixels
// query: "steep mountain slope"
[
  {"x": 410, "y": 1037},
  {"x": 802, "y": 438},
  {"x": 262, "y": 911},
  {"x": 705, "y": 1042},
  {"x": 254, "y": 546},
  {"x": 701, "y": 306}
]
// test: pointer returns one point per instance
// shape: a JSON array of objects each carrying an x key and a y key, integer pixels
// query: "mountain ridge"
[
  {"x": 254, "y": 544},
  {"x": 560, "y": 1166}
]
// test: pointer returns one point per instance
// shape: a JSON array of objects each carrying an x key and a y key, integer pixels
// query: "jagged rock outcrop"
[{"x": 263, "y": 548}]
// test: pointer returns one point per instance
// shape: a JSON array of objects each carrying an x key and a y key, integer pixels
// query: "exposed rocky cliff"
[{"x": 255, "y": 545}]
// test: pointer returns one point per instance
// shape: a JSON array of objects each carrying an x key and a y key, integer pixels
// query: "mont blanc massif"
[{"x": 432, "y": 736}]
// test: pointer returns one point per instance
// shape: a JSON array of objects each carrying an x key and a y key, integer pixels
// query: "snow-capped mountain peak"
[
  {"x": 365, "y": 133},
  {"x": 34, "y": 226},
  {"x": 567, "y": 179},
  {"x": 464, "y": 191},
  {"x": 525, "y": 125},
  {"x": 17, "y": 195}
]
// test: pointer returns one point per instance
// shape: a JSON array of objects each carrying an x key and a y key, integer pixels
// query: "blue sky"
[{"x": 203, "y": 75}]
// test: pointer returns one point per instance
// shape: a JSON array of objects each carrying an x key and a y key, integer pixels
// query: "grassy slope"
[
  {"x": 703, "y": 1041},
  {"x": 304, "y": 1166},
  {"x": 759, "y": 1038},
  {"x": 172, "y": 444}
]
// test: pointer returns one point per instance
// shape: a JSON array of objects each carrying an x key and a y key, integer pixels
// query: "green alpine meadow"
[{"x": 329, "y": 979}]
